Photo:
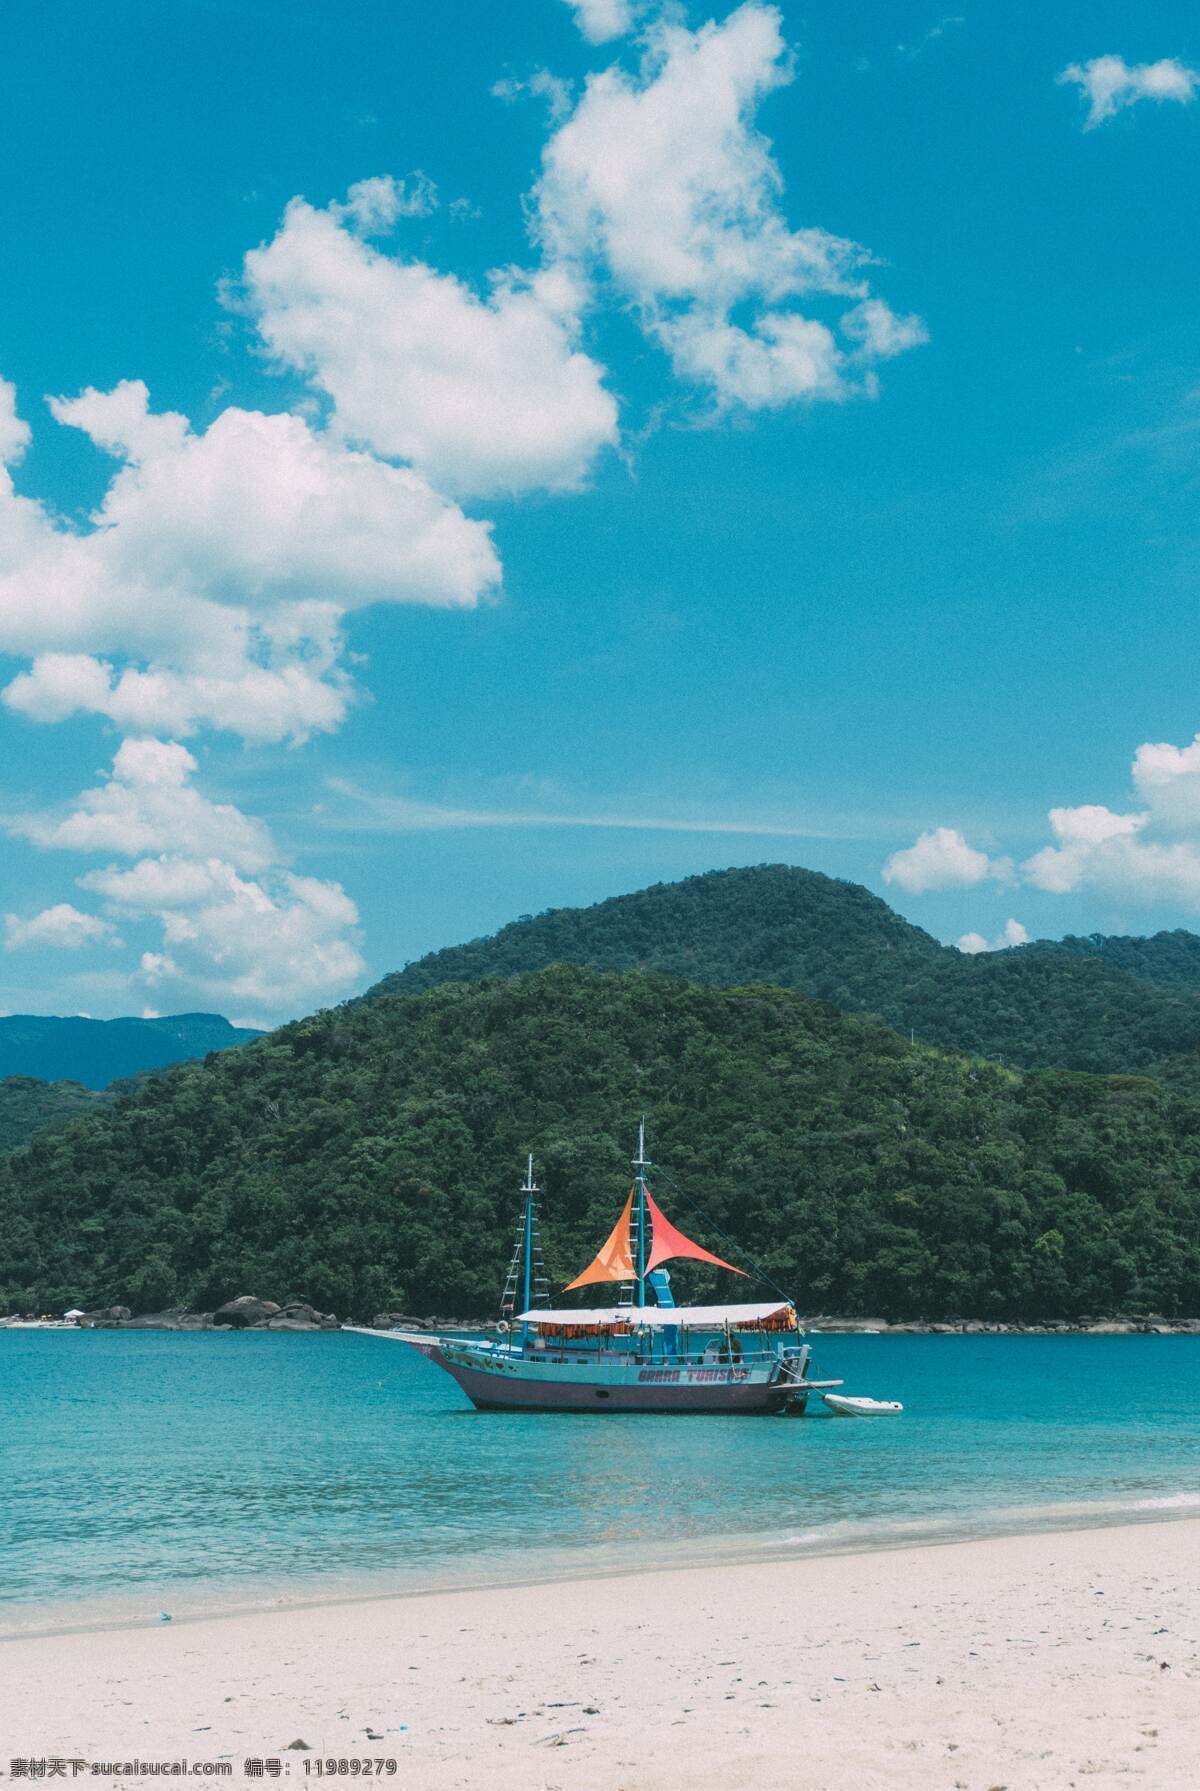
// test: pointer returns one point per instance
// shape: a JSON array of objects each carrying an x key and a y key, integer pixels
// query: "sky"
[{"x": 464, "y": 460}]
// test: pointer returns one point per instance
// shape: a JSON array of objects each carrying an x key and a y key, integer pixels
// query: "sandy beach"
[{"x": 1042, "y": 1661}]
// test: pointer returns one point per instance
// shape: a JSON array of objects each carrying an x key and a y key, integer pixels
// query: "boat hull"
[{"x": 636, "y": 1389}]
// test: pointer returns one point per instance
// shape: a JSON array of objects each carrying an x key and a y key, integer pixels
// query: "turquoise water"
[{"x": 145, "y": 1469}]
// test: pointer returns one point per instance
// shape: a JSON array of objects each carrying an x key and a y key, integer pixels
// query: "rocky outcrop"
[
  {"x": 400, "y": 1321},
  {"x": 298, "y": 1316},
  {"x": 246, "y": 1311}
]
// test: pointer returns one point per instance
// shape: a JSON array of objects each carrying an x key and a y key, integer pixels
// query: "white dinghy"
[{"x": 842, "y": 1405}]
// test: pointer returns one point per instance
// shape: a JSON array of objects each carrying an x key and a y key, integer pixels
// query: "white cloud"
[
  {"x": 1105, "y": 851},
  {"x": 62, "y": 926},
  {"x": 14, "y": 434},
  {"x": 149, "y": 804},
  {"x": 483, "y": 395},
  {"x": 602, "y": 20},
  {"x": 1014, "y": 934},
  {"x": 154, "y": 966},
  {"x": 941, "y": 859},
  {"x": 297, "y": 699},
  {"x": 663, "y": 183},
  {"x": 1109, "y": 84},
  {"x": 218, "y": 568},
  {"x": 376, "y": 205},
  {"x": 541, "y": 84},
  {"x": 1091, "y": 839},
  {"x": 262, "y": 510},
  {"x": 1147, "y": 856},
  {"x": 1167, "y": 778},
  {"x": 236, "y": 926},
  {"x": 279, "y": 941}
]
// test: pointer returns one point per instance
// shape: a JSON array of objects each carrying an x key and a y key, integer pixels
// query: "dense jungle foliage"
[
  {"x": 369, "y": 1157},
  {"x": 27, "y": 1105},
  {"x": 1040, "y": 1006}
]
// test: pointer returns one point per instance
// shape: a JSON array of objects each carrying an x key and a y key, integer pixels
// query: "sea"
[{"x": 148, "y": 1475}]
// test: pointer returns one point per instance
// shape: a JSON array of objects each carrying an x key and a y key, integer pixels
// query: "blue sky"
[{"x": 424, "y": 595}]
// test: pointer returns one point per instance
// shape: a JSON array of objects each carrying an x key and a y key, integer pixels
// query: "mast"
[
  {"x": 641, "y": 1163},
  {"x": 529, "y": 1190}
]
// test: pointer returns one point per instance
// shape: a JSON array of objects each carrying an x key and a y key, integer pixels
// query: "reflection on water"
[{"x": 161, "y": 1461}]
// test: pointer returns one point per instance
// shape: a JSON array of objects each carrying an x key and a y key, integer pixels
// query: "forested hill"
[
  {"x": 368, "y": 1158},
  {"x": 1168, "y": 960},
  {"x": 801, "y": 930},
  {"x": 27, "y": 1105}
]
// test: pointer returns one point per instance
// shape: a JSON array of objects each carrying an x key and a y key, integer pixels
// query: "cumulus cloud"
[
  {"x": 14, "y": 434},
  {"x": 1109, "y": 84},
  {"x": 602, "y": 20},
  {"x": 941, "y": 859},
  {"x": 1109, "y": 852},
  {"x": 661, "y": 182},
  {"x": 1014, "y": 934},
  {"x": 1143, "y": 856},
  {"x": 62, "y": 926},
  {"x": 274, "y": 942},
  {"x": 217, "y": 568},
  {"x": 237, "y": 927},
  {"x": 149, "y": 804},
  {"x": 1167, "y": 778},
  {"x": 375, "y": 205},
  {"x": 482, "y": 394}
]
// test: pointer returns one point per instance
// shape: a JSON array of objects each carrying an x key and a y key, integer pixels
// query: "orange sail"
[
  {"x": 670, "y": 1243},
  {"x": 614, "y": 1262}
]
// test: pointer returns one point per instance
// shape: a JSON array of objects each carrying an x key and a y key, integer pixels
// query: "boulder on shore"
[
  {"x": 400, "y": 1321},
  {"x": 177, "y": 1318},
  {"x": 297, "y": 1315},
  {"x": 104, "y": 1315},
  {"x": 245, "y": 1311}
]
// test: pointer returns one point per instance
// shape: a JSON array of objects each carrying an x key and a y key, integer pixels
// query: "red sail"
[
  {"x": 614, "y": 1262},
  {"x": 669, "y": 1243}
]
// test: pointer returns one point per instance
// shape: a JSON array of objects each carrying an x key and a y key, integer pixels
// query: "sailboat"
[{"x": 641, "y": 1353}]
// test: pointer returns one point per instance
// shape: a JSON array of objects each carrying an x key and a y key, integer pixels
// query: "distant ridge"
[
  {"x": 61, "y": 1048},
  {"x": 1168, "y": 960},
  {"x": 1087, "y": 1004}
]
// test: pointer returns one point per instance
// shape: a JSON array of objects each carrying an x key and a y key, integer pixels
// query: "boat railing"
[{"x": 659, "y": 1358}]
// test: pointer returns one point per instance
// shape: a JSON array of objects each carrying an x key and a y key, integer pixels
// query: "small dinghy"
[{"x": 843, "y": 1406}]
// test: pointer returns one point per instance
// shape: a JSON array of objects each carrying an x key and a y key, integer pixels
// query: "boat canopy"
[{"x": 697, "y": 1318}]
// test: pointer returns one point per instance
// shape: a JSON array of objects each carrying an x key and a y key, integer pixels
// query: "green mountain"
[
  {"x": 57, "y": 1048},
  {"x": 27, "y": 1105},
  {"x": 368, "y": 1157},
  {"x": 1167, "y": 960},
  {"x": 1040, "y": 1006}
]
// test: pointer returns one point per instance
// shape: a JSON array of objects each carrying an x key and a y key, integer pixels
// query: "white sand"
[{"x": 1037, "y": 1661}]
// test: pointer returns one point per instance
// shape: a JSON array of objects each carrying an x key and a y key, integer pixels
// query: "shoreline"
[
  {"x": 1028, "y": 1661},
  {"x": 583, "y": 1567},
  {"x": 194, "y": 1324}
]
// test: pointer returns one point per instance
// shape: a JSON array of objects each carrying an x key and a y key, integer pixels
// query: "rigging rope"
[{"x": 730, "y": 1244}]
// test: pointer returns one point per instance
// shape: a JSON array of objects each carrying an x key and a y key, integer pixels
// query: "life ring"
[{"x": 503, "y": 1327}]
